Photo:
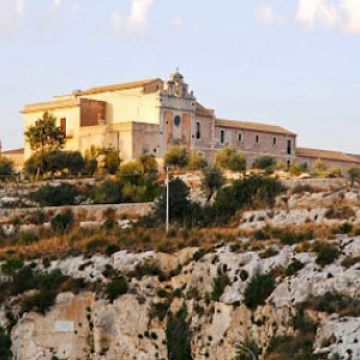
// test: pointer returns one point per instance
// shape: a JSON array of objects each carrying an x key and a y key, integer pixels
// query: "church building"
[{"x": 151, "y": 115}]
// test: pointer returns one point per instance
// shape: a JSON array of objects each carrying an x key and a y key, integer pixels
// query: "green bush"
[
  {"x": 326, "y": 253},
  {"x": 159, "y": 310},
  {"x": 294, "y": 267},
  {"x": 354, "y": 174},
  {"x": 62, "y": 222},
  {"x": 212, "y": 180},
  {"x": 5, "y": 345},
  {"x": 177, "y": 156},
  {"x": 333, "y": 302},
  {"x": 49, "y": 195},
  {"x": 243, "y": 352},
  {"x": 291, "y": 237},
  {"x": 6, "y": 168},
  {"x": 218, "y": 286},
  {"x": 178, "y": 336},
  {"x": 149, "y": 267},
  {"x": 258, "y": 290},
  {"x": 252, "y": 192},
  {"x": 27, "y": 238},
  {"x": 112, "y": 161},
  {"x": 345, "y": 228},
  {"x": 230, "y": 159},
  {"x": 340, "y": 213},
  {"x": 108, "y": 192},
  {"x": 40, "y": 302},
  {"x": 264, "y": 162},
  {"x": 37, "y": 217},
  {"x": 117, "y": 287},
  {"x": 11, "y": 265},
  {"x": 196, "y": 161}
]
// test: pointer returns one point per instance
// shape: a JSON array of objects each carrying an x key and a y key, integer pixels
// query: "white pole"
[{"x": 167, "y": 199}]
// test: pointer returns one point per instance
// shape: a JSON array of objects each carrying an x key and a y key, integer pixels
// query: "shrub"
[
  {"x": 11, "y": 265},
  {"x": 27, "y": 237},
  {"x": 230, "y": 159},
  {"x": 178, "y": 336},
  {"x": 62, "y": 222},
  {"x": 349, "y": 261},
  {"x": 159, "y": 310},
  {"x": 111, "y": 161},
  {"x": 291, "y": 237},
  {"x": 340, "y": 213},
  {"x": 320, "y": 168},
  {"x": 326, "y": 253},
  {"x": 333, "y": 302},
  {"x": 264, "y": 162},
  {"x": 40, "y": 302},
  {"x": 243, "y": 352},
  {"x": 295, "y": 169},
  {"x": 5, "y": 345},
  {"x": 90, "y": 166},
  {"x": 37, "y": 217},
  {"x": 149, "y": 267},
  {"x": 74, "y": 162},
  {"x": 196, "y": 161},
  {"x": 6, "y": 168},
  {"x": 254, "y": 191},
  {"x": 218, "y": 286},
  {"x": 345, "y": 228},
  {"x": 269, "y": 252},
  {"x": 299, "y": 189},
  {"x": 354, "y": 174},
  {"x": 108, "y": 192},
  {"x": 48, "y": 195},
  {"x": 294, "y": 267},
  {"x": 177, "y": 156},
  {"x": 258, "y": 290},
  {"x": 117, "y": 287}
]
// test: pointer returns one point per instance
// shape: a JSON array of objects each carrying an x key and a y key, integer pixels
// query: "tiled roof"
[
  {"x": 201, "y": 110},
  {"x": 117, "y": 87},
  {"x": 51, "y": 105},
  {"x": 253, "y": 126},
  {"x": 326, "y": 155},
  {"x": 13, "y": 152}
]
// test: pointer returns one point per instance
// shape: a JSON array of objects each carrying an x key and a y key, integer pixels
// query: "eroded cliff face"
[{"x": 88, "y": 326}]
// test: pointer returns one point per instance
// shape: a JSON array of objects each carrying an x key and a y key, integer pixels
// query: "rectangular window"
[
  {"x": 257, "y": 139},
  {"x": 289, "y": 147},
  {"x": 198, "y": 130},
  {"x": 274, "y": 141},
  {"x": 222, "y": 136},
  {"x": 240, "y": 137},
  {"x": 63, "y": 126}
]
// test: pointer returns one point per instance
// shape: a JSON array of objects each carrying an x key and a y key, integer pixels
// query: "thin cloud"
[
  {"x": 265, "y": 14},
  {"x": 136, "y": 21},
  {"x": 10, "y": 13},
  {"x": 344, "y": 14}
]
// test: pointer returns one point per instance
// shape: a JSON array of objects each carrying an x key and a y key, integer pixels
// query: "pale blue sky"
[{"x": 290, "y": 62}]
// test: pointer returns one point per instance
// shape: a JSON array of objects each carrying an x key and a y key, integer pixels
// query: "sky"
[{"x": 294, "y": 63}]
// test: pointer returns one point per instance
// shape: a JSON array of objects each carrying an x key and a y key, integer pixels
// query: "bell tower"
[{"x": 177, "y": 112}]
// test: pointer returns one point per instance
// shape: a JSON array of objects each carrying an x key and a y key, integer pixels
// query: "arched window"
[
  {"x": 177, "y": 120},
  {"x": 274, "y": 141},
  {"x": 198, "y": 130},
  {"x": 222, "y": 136},
  {"x": 240, "y": 137},
  {"x": 257, "y": 139}
]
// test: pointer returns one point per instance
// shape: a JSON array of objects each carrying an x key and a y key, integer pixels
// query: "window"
[
  {"x": 222, "y": 136},
  {"x": 198, "y": 131},
  {"x": 289, "y": 147},
  {"x": 177, "y": 120},
  {"x": 274, "y": 141},
  {"x": 240, "y": 137},
  {"x": 63, "y": 126},
  {"x": 257, "y": 139}
]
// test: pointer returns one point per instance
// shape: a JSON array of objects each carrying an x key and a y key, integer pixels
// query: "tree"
[
  {"x": 212, "y": 181},
  {"x": 320, "y": 168},
  {"x": 177, "y": 156},
  {"x": 44, "y": 136},
  {"x": 230, "y": 159},
  {"x": 179, "y": 202},
  {"x": 354, "y": 174},
  {"x": 112, "y": 161}
]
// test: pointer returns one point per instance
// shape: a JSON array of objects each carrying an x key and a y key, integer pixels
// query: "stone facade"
[{"x": 151, "y": 115}]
